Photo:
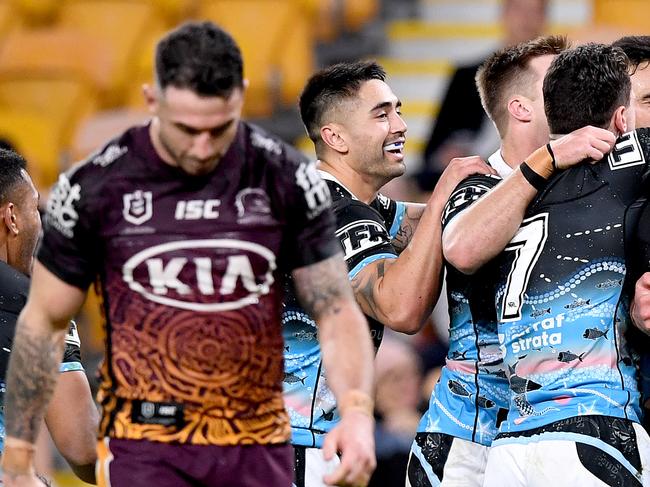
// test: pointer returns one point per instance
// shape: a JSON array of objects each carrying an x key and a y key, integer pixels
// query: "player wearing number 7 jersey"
[
  {"x": 471, "y": 398},
  {"x": 573, "y": 417}
]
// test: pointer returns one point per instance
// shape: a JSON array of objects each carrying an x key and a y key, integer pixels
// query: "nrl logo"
[{"x": 138, "y": 207}]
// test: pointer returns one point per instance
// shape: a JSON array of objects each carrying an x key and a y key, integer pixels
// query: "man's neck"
[
  {"x": 516, "y": 148},
  {"x": 363, "y": 187}
]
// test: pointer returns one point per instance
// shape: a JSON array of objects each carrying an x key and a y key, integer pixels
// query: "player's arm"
[
  {"x": 34, "y": 368},
  {"x": 346, "y": 347},
  {"x": 640, "y": 306},
  {"x": 401, "y": 292},
  {"x": 482, "y": 231},
  {"x": 72, "y": 419},
  {"x": 412, "y": 214}
]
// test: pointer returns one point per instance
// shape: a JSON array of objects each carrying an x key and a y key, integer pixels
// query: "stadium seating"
[
  {"x": 277, "y": 45},
  {"x": 63, "y": 101},
  {"x": 36, "y": 138},
  {"x": 6, "y": 17},
  {"x": 35, "y": 52},
  {"x": 121, "y": 24},
  {"x": 35, "y": 13}
]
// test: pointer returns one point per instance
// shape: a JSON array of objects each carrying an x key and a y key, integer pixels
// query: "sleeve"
[
  {"x": 67, "y": 248},
  {"x": 310, "y": 232},
  {"x": 466, "y": 193},
  {"x": 627, "y": 164},
  {"x": 392, "y": 212},
  {"x": 362, "y": 235},
  {"x": 72, "y": 351}
]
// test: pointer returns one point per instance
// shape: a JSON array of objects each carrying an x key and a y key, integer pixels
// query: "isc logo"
[
  {"x": 202, "y": 275},
  {"x": 197, "y": 210}
]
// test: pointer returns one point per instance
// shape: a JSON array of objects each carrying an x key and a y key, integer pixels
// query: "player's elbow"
[
  {"x": 460, "y": 256},
  {"x": 404, "y": 320},
  {"x": 79, "y": 455}
]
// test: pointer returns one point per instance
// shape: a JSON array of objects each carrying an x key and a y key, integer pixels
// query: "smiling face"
[
  {"x": 193, "y": 132},
  {"x": 374, "y": 131}
]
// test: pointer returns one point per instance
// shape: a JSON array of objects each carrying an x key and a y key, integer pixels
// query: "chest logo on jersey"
[
  {"x": 253, "y": 205},
  {"x": 202, "y": 275},
  {"x": 138, "y": 207},
  {"x": 197, "y": 210},
  {"x": 627, "y": 152},
  {"x": 360, "y": 236}
]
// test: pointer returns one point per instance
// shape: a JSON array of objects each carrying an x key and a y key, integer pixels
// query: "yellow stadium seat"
[
  {"x": 33, "y": 136},
  {"x": 102, "y": 126},
  {"x": 63, "y": 100},
  {"x": 142, "y": 71},
  {"x": 7, "y": 17},
  {"x": 123, "y": 24},
  {"x": 325, "y": 17},
  {"x": 174, "y": 11},
  {"x": 267, "y": 32},
  {"x": 60, "y": 51},
  {"x": 36, "y": 12},
  {"x": 356, "y": 13},
  {"x": 630, "y": 14}
]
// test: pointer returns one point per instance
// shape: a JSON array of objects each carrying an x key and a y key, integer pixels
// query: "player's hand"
[
  {"x": 458, "y": 169},
  {"x": 354, "y": 438},
  {"x": 640, "y": 307},
  {"x": 585, "y": 143}
]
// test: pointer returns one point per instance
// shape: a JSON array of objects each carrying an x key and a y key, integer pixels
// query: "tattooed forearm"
[
  {"x": 403, "y": 237},
  {"x": 31, "y": 379},
  {"x": 321, "y": 287},
  {"x": 406, "y": 230}
]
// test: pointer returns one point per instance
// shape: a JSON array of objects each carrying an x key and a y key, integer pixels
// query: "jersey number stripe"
[{"x": 527, "y": 245}]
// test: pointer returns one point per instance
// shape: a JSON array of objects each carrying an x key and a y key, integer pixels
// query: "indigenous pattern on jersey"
[
  {"x": 563, "y": 315},
  {"x": 472, "y": 393},
  {"x": 14, "y": 287},
  {"x": 190, "y": 273},
  {"x": 365, "y": 233}
]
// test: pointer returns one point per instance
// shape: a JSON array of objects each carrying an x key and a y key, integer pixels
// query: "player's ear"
[
  {"x": 9, "y": 219},
  {"x": 150, "y": 97},
  {"x": 622, "y": 120},
  {"x": 520, "y": 108},
  {"x": 331, "y": 135}
]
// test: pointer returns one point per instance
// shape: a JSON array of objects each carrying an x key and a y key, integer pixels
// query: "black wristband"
[
  {"x": 535, "y": 180},
  {"x": 550, "y": 151}
]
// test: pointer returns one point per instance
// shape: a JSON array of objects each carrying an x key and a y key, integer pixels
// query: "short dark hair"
[
  {"x": 329, "y": 87},
  {"x": 508, "y": 70},
  {"x": 636, "y": 48},
  {"x": 201, "y": 57},
  {"x": 584, "y": 86},
  {"x": 11, "y": 167}
]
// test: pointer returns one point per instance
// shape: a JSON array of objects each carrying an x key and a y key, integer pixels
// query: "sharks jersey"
[
  {"x": 472, "y": 393},
  {"x": 560, "y": 302},
  {"x": 365, "y": 233},
  {"x": 14, "y": 287}
]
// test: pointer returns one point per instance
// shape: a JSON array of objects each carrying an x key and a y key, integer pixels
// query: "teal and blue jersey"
[
  {"x": 562, "y": 310},
  {"x": 471, "y": 395},
  {"x": 365, "y": 233}
]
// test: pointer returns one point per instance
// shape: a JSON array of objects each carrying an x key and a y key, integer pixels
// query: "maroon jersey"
[{"x": 189, "y": 272}]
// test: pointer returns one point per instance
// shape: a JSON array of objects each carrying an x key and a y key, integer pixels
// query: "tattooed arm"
[
  {"x": 33, "y": 368},
  {"x": 412, "y": 215},
  {"x": 401, "y": 293},
  {"x": 324, "y": 291}
]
